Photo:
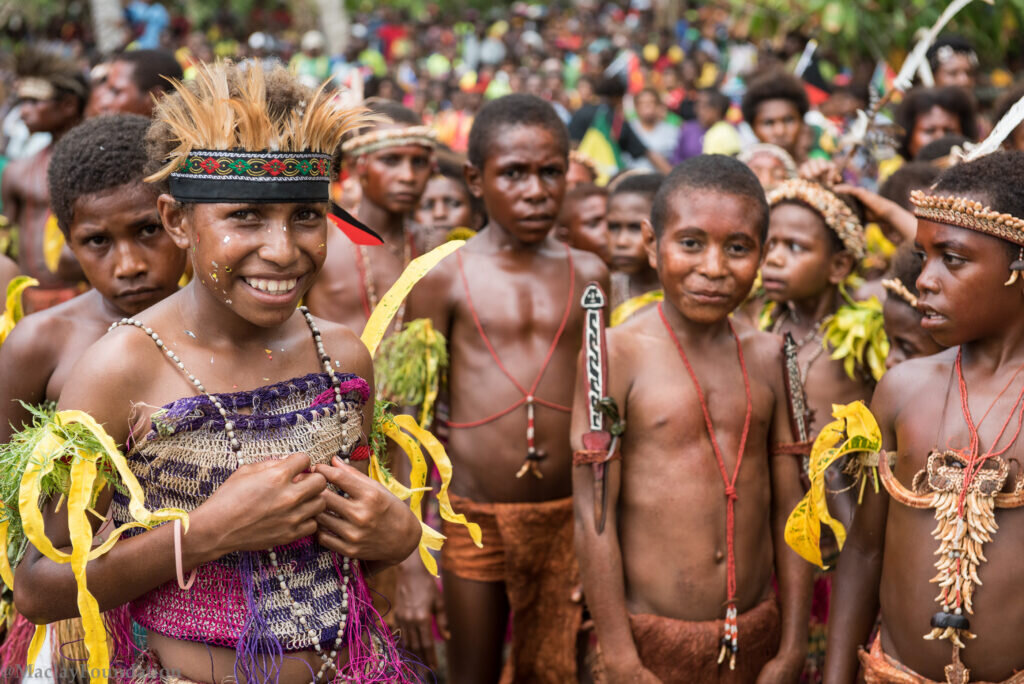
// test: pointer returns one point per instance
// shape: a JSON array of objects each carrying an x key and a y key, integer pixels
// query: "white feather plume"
[
  {"x": 905, "y": 79},
  {"x": 1002, "y": 130}
]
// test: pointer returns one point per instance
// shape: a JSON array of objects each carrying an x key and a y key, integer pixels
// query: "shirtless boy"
[
  {"x": 925, "y": 408},
  {"x": 634, "y": 280},
  {"x": 53, "y": 93},
  {"x": 581, "y": 222},
  {"x": 109, "y": 218},
  {"x": 508, "y": 303},
  {"x": 392, "y": 162},
  {"x": 672, "y": 560}
]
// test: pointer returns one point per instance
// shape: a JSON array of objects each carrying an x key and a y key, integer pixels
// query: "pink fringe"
[{"x": 14, "y": 652}]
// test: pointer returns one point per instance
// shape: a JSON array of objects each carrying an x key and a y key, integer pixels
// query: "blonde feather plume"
[{"x": 228, "y": 107}]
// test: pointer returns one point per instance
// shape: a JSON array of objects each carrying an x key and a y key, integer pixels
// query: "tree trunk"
[
  {"x": 334, "y": 24},
  {"x": 108, "y": 25}
]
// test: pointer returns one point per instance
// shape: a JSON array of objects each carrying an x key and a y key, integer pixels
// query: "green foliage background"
[{"x": 878, "y": 29}]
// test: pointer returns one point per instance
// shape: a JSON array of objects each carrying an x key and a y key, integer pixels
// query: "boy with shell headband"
[
  {"x": 942, "y": 432},
  {"x": 815, "y": 242},
  {"x": 275, "y": 592}
]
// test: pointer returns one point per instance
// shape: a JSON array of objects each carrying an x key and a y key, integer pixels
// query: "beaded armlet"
[{"x": 853, "y": 432}]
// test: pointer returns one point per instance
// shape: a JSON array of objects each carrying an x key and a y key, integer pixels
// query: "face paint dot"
[
  {"x": 190, "y": 334},
  {"x": 227, "y": 301},
  {"x": 215, "y": 264},
  {"x": 227, "y": 239},
  {"x": 227, "y": 269},
  {"x": 266, "y": 379},
  {"x": 214, "y": 276}
]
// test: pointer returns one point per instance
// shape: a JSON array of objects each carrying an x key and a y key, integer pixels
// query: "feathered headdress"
[{"x": 233, "y": 143}]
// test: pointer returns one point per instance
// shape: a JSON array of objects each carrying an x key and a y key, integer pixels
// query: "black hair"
[
  {"x": 717, "y": 173},
  {"x": 958, "y": 44},
  {"x": 1006, "y": 101},
  {"x": 994, "y": 180},
  {"x": 774, "y": 85},
  {"x": 99, "y": 154},
  {"x": 911, "y": 176},
  {"x": 151, "y": 68},
  {"x": 394, "y": 111},
  {"x": 717, "y": 99},
  {"x": 906, "y": 265},
  {"x": 954, "y": 100},
  {"x": 583, "y": 191},
  {"x": 62, "y": 73},
  {"x": 639, "y": 184},
  {"x": 941, "y": 148},
  {"x": 612, "y": 87},
  {"x": 512, "y": 111}
]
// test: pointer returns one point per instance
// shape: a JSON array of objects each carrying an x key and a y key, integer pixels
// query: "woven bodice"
[{"x": 186, "y": 457}]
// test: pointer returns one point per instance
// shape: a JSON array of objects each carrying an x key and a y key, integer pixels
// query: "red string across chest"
[
  {"x": 529, "y": 397},
  {"x": 729, "y": 641},
  {"x": 974, "y": 460}
]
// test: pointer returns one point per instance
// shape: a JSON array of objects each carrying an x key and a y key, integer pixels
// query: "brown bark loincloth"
[
  {"x": 685, "y": 652},
  {"x": 529, "y": 547},
  {"x": 879, "y": 668}
]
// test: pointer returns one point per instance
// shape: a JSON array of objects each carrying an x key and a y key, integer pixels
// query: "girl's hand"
[
  {"x": 260, "y": 506},
  {"x": 371, "y": 524},
  {"x": 417, "y": 600}
]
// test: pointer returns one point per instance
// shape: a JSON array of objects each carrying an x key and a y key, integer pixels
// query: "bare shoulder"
[
  {"x": 589, "y": 266},
  {"x": 35, "y": 343},
  {"x": 763, "y": 350},
  {"x": 345, "y": 347},
  {"x": 903, "y": 383},
  {"x": 630, "y": 341}
]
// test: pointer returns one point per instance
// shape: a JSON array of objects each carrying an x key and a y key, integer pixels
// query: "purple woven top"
[{"x": 184, "y": 459}]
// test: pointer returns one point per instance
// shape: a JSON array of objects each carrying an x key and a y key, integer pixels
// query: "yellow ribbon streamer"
[
  {"x": 53, "y": 243},
  {"x": 384, "y": 313},
  {"x": 13, "y": 310},
  {"x": 51, "y": 447},
  {"x": 36, "y": 645},
  {"x": 853, "y": 431},
  {"x": 629, "y": 307}
]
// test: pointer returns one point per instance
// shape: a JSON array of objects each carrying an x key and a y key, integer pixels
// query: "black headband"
[{"x": 222, "y": 176}]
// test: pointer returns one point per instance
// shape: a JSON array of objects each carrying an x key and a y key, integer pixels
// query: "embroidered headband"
[
  {"x": 837, "y": 214},
  {"x": 233, "y": 146},
  {"x": 383, "y": 138},
  {"x": 966, "y": 213}
]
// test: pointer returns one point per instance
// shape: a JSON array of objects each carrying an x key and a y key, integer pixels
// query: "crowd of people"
[{"x": 542, "y": 346}]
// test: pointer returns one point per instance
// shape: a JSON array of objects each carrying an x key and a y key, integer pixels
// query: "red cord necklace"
[
  {"x": 730, "y": 640},
  {"x": 974, "y": 460},
  {"x": 529, "y": 397}
]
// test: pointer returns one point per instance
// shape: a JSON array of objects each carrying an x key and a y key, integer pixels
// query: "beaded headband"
[
  {"x": 35, "y": 88},
  {"x": 837, "y": 214},
  {"x": 896, "y": 286},
  {"x": 966, "y": 213},
  {"x": 382, "y": 138},
  {"x": 213, "y": 175}
]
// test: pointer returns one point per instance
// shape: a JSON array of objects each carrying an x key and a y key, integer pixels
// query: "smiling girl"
[{"x": 263, "y": 407}]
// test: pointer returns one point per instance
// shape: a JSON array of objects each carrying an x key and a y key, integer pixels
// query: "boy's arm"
[
  {"x": 418, "y": 598},
  {"x": 854, "y": 604},
  {"x": 599, "y": 555},
  {"x": 27, "y": 360},
  {"x": 792, "y": 572}
]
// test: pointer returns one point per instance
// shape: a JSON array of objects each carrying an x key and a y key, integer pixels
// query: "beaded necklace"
[{"x": 326, "y": 657}]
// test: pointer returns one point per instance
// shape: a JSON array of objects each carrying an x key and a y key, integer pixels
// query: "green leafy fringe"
[{"x": 411, "y": 365}]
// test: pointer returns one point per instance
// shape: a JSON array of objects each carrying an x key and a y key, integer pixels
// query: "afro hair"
[
  {"x": 919, "y": 101},
  {"x": 96, "y": 155},
  {"x": 151, "y": 69},
  {"x": 995, "y": 180},
  {"x": 63, "y": 74},
  {"x": 639, "y": 184},
  {"x": 513, "y": 111},
  {"x": 774, "y": 85},
  {"x": 909, "y": 177}
]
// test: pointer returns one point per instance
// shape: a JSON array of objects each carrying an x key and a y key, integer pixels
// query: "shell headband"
[
  {"x": 837, "y": 214},
  {"x": 383, "y": 138}
]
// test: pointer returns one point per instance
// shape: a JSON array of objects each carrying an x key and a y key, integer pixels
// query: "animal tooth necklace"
[
  {"x": 730, "y": 638},
  {"x": 963, "y": 486}
]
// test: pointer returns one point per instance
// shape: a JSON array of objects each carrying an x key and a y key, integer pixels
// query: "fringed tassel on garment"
[
  {"x": 258, "y": 653},
  {"x": 14, "y": 651},
  {"x": 124, "y": 650},
  {"x": 373, "y": 655},
  {"x": 730, "y": 638}
]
